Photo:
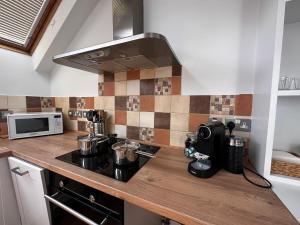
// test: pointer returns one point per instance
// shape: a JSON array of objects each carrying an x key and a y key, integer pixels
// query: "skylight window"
[{"x": 21, "y": 21}]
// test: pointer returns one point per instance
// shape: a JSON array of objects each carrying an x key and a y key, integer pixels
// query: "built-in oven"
[
  {"x": 23, "y": 125},
  {"x": 74, "y": 203}
]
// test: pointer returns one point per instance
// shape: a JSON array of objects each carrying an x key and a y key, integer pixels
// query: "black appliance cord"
[{"x": 267, "y": 186}]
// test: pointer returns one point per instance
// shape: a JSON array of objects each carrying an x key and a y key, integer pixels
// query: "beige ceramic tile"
[
  {"x": 104, "y": 102},
  {"x": 100, "y": 78},
  {"x": 147, "y": 73},
  {"x": 163, "y": 72},
  {"x": 163, "y": 103},
  {"x": 133, "y": 87},
  {"x": 19, "y": 110},
  {"x": 16, "y": 102},
  {"x": 62, "y": 102},
  {"x": 179, "y": 121},
  {"x": 121, "y": 131},
  {"x": 120, "y": 88},
  {"x": 110, "y": 116},
  {"x": 3, "y": 102},
  {"x": 71, "y": 124},
  {"x": 133, "y": 118},
  {"x": 177, "y": 138},
  {"x": 147, "y": 119},
  {"x": 180, "y": 104},
  {"x": 121, "y": 76},
  {"x": 50, "y": 109}
]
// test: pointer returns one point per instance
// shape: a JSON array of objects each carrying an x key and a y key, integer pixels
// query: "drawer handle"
[
  {"x": 73, "y": 212},
  {"x": 17, "y": 171}
]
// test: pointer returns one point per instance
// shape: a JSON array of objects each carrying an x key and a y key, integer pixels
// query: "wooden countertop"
[{"x": 164, "y": 186}]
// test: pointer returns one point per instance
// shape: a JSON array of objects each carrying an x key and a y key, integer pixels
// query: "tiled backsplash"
[{"x": 140, "y": 104}]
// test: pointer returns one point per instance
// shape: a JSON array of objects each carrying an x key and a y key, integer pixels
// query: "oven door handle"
[{"x": 73, "y": 212}]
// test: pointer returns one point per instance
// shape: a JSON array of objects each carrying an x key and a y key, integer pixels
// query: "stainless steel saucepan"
[
  {"x": 127, "y": 152},
  {"x": 91, "y": 144}
]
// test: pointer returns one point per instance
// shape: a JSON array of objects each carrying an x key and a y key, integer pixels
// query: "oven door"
[
  {"x": 67, "y": 208},
  {"x": 22, "y": 126}
]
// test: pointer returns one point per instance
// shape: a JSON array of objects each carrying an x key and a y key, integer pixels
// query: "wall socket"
[{"x": 240, "y": 124}]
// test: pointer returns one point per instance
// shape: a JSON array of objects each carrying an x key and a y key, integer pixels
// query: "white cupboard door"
[
  {"x": 10, "y": 214},
  {"x": 30, "y": 188}
]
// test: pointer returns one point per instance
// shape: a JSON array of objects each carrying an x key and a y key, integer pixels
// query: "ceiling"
[{"x": 292, "y": 11}]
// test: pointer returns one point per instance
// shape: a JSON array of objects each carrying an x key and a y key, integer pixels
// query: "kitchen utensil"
[
  {"x": 91, "y": 144},
  {"x": 126, "y": 152}
]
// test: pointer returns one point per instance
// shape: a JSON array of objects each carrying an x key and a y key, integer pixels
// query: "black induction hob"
[{"x": 103, "y": 164}]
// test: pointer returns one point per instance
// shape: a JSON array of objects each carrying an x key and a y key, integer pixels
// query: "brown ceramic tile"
[
  {"x": 147, "y": 87},
  {"x": 147, "y": 103},
  {"x": 82, "y": 125},
  {"x": 120, "y": 117},
  {"x": 47, "y": 102},
  {"x": 162, "y": 136},
  {"x": 73, "y": 103},
  {"x": 163, "y": 86},
  {"x": 133, "y": 132},
  {"x": 200, "y": 104},
  {"x": 133, "y": 74},
  {"x": 133, "y": 103},
  {"x": 197, "y": 119},
  {"x": 3, "y": 129},
  {"x": 176, "y": 70},
  {"x": 243, "y": 105},
  {"x": 146, "y": 134},
  {"x": 89, "y": 103},
  {"x": 33, "y": 102},
  {"x": 120, "y": 103},
  {"x": 109, "y": 77},
  {"x": 176, "y": 85},
  {"x": 222, "y": 104},
  {"x": 162, "y": 120},
  {"x": 109, "y": 89}
]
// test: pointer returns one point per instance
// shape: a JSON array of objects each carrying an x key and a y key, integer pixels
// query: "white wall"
[
  {"x": 290, "y": 65},
  {"x": 96, "y": 29},
  {"x": 214, "y": 40},
  {"x": 17, "y": 76}
]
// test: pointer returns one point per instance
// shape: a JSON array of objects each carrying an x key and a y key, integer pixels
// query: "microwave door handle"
[
  {"x": 71, "y": 211},
  {"x": 17, "y": 171}
]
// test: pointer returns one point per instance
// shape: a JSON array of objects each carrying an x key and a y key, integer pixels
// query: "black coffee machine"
[{"x": 210, "y": 149}]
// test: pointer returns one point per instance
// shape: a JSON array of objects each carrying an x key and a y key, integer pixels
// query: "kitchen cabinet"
[
  {"x": 9, "y": 212},
  {"x": 29, "y": 185}
]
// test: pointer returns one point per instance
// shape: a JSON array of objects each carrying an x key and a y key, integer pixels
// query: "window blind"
[{"x": 19, "y": 18}]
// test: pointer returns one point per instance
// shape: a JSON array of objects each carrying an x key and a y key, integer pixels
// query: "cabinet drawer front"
[{"x": 30, "y": 188}]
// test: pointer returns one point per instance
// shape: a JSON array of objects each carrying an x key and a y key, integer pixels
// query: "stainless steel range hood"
[{"x": 131, "y": 49}]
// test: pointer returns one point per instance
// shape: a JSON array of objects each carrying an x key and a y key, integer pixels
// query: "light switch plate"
[{"x": 240, "y": 124}]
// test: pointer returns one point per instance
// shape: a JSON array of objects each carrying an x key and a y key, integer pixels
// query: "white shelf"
[
  {"x": 289, "y": 93},
  {"x": 285, "y": 179}
]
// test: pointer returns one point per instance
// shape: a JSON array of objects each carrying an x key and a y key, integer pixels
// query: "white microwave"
[{"x": 24, "y": 125}]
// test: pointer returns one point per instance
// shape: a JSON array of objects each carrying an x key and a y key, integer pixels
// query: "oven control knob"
[
  {"x": 61, "y": 184},
  {"x": 92, "y": 198}
]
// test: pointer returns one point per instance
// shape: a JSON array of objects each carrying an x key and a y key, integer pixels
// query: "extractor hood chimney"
[{"x": 130, "y": 49}]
